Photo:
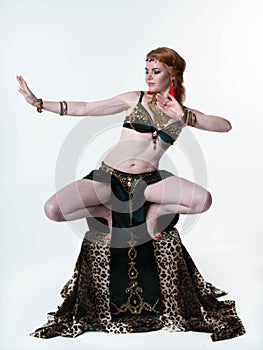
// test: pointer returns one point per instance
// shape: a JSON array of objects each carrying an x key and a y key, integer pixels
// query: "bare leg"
[
  {"x": 102, "y": 212},
  {"x": 155, "y": 210},
  {"x": 174, "y": 195},
  {"x": 80, "y": 199}
]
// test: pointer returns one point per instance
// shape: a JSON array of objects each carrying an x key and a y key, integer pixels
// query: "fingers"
[
  {"x": 22, "y": 88},
  {"x": 25, "y": 91},
  {"x": 22, "y": 92},
  {"x": 162, "y": 100},
  {"x": 165, "y": 100},
  {"x": 22, "y": 82},
  {"x": 20, "y": 79},
  {"x": 171, "y": 97},
  {"x": 161, "y": 97}
]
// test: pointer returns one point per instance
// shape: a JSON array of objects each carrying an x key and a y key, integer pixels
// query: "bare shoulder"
[
  {"x": 113, "y": 105},
  {"x": 130, "y": 98}
]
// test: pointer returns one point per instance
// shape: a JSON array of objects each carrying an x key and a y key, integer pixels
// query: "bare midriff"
[{"x": 135, "y": 152}]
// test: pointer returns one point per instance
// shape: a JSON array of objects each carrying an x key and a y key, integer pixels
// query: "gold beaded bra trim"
[{"x": 158, "y": 124}]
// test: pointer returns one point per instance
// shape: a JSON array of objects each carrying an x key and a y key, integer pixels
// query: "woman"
[
  {"x": 164, "y": 69},
  {"x": 130, "y": 192}
]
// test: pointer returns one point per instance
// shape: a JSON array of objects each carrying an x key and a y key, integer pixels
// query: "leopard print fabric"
[{"x": 189, "y": 303}]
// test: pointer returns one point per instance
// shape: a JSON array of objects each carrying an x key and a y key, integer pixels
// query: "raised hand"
[
  {"x": 170, "y": 106},
  {"x": 26, "y": 92}
]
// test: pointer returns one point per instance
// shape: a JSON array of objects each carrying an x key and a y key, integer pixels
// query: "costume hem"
[{"x": 189, "y": 302}]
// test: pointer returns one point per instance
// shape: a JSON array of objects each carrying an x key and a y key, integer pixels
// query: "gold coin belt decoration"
[{"x": 128, "y": 183}]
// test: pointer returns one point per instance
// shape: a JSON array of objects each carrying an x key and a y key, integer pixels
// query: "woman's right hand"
[{"x": 26, "y": 92}]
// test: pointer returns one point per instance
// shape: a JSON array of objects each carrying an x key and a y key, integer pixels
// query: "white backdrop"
[{"x": 89, "y": 50}]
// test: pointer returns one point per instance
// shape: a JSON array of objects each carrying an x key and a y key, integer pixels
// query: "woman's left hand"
[{"x": 170, "y": 106}]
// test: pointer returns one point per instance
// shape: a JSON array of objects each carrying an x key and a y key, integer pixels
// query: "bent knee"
[
  {"x": 53, "y": 211},
  {"x": 206, "y": 202}
]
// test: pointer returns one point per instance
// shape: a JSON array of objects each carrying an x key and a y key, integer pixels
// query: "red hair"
[{"x": 174, "y": 64}]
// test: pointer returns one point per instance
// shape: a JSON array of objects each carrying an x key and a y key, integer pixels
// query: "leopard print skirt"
[{"x": 189, "y": 303}]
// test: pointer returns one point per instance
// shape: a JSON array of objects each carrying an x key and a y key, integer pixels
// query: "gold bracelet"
[
  {"x": 39, "y": 105},
  {"x": 188, "y": 117},
  {"x": 63, "y": 108}
]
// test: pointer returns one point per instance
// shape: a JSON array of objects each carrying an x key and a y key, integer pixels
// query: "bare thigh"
[
  {"x": 179, "y": 191},
  {"x": 80, "y": 194}
]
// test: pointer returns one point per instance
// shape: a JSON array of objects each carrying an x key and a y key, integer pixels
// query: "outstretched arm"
[
  {"x": 113, "y": 105},
  {"x": 210, "y": 122}
]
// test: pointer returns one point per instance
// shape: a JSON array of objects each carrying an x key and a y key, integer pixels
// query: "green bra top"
[{"x": 141, "y": 121}]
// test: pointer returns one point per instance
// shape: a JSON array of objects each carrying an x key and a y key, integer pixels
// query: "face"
[{"x": 157, "y": 77}]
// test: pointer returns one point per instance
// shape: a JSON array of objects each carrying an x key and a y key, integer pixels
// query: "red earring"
[{"x": 172, "y": 91}]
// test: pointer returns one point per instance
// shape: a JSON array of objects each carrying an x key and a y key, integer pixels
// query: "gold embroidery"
[
  {"x": 128, "y": 182},
  {"x": 140, "y": 115},
  {"x": 174, "y": 129},
  {"x": 160, "y": 122},
  {"x": 161, "y": 119},
  {"x": 135, "y": 303}
]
